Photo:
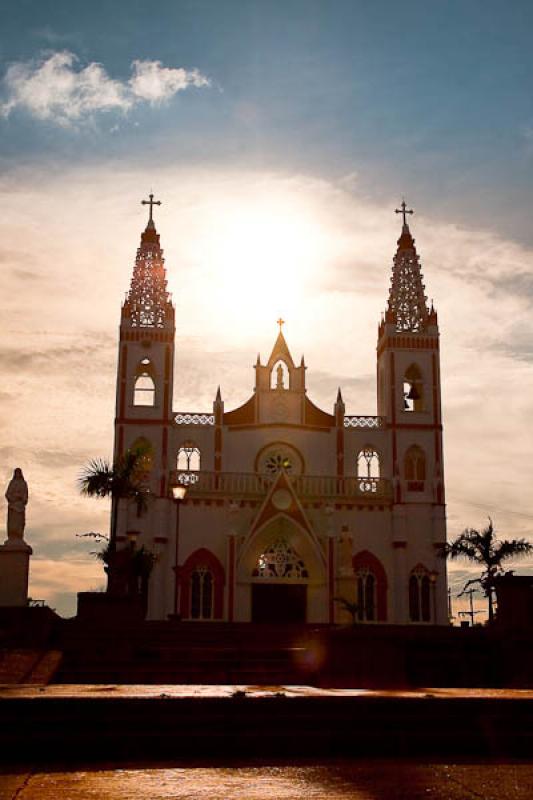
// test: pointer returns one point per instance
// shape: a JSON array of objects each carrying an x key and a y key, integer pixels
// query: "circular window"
[
  {"x": 280, "y": 458},
  {"x": 277, "y": 462}
]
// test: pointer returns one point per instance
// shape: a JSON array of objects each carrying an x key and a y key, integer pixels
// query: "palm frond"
[
  {"x": 349, "y": 606},
  {"x": 515, "y": 548},
  {"x": 96, "y": 478}
]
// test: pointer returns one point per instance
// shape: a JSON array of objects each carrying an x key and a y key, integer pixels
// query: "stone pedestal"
[{"x": 14, "y": 572}]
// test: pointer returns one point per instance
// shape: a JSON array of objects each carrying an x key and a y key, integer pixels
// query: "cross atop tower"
[
  {"x": 151, "y": 202},
  {"x": 281, "y": 323},
  {"x": 403, "y": 210}
]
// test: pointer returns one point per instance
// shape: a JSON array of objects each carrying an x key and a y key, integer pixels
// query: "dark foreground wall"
[{"x": 114, "y": 723}]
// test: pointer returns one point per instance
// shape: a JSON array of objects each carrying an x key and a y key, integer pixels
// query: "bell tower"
[
  {"x": 409, "y": 399},
  {"x": 408, "y": 370},
  {"x": 146, "y": 356}
]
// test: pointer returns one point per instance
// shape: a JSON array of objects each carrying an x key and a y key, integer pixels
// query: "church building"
[{"x": 280, "y": 511}]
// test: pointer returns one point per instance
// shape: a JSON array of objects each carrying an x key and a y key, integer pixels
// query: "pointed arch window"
[
  {"x": 144, "y": 385},
  {"x": 420, "y": 595},
  {"x": 188, "y": 463},
  {"x": 415, "y": 469},
  {"x": 279, "y": 377},
  {"x": 366, "y": 595},
  {"x": 368, "y": 469},
  {"x": 202, "y": 586},
  {"x": 370, "y": 587},
  {"x": 413, "y": 390},
  {"x": 202, "y": 583}
]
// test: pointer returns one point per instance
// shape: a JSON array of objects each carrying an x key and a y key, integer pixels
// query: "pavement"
[
  {"x": 196, "y": 691},
  {"x": 334, "y": 780},
  {"x": 48, "y": 754}
]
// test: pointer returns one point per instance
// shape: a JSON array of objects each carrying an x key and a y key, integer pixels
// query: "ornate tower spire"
[
  {"x": 407, "y": 306},
  {"x": 148, "y": 303}
]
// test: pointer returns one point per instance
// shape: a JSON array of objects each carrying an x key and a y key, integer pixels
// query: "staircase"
[
  {"x": 194, "y": 653},
  {"x": 28, "y": 666}
]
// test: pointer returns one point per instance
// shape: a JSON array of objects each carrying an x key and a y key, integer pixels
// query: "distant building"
[
  {"x": 515, "y": 601},
  {"x": 288, "y": 507}
]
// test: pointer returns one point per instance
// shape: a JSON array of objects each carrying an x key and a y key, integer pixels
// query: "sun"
[{"x": 263, "y": 257}]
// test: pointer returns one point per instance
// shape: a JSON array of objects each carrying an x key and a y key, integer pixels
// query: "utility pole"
[{"x": 471, "y": 613}]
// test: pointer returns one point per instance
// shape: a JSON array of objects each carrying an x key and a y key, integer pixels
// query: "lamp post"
[
  {"x": 178, "y": 493},
  {"x": 433, "y": 581},
  {"x": 132, "y": 578}
]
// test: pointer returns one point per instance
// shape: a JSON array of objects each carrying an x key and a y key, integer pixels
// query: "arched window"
[
  {"x": 202, "y": 586},
  {"x": 368, "y": 463},
  {"x": 419, "y": 595},
  {"x": 144, "y": 386},
  {"x": 279, "y": 377},
  {"x": 202, "y": 593},
  {"x": 370, "y": 586},
  {"x": 188, "y": 463},
  {"x": 415, "y": 469},
  {"x": 413, "y": 390},
  {"x": 366, "y": 595}
]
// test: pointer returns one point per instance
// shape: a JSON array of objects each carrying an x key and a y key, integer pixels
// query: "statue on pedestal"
[{"x": 17, "y": 500}]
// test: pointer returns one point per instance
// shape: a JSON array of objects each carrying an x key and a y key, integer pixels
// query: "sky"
[{"x": 280, "y": 137}]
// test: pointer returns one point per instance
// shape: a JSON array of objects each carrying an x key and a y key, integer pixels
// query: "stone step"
[{"x": 246, "y": 721}]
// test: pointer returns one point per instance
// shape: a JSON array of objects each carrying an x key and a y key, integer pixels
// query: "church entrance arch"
[{"x": 280, "y": 574}]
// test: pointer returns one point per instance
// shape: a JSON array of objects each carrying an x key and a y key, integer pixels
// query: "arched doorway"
[
  {"x": 280, "y": 576},
  {"x": 283, "y": 599}
]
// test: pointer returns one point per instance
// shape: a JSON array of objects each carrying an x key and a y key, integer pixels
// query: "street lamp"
[
  {"x": 433, "y": 581},
  {"x": 178, "y": 494}
]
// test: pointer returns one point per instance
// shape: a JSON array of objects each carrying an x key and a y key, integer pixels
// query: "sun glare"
[{"x": 263, "y": 260}]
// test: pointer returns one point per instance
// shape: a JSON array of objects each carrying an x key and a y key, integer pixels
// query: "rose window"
[
  {"x": 276, "y": 462},
  {"x": 280, "y": 457},
  {"x": 280, "y": 560}
]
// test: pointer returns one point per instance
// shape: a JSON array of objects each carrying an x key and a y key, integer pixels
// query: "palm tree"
[
  {"x": 351, "y": 608},
  {"x": 483, "y": 548},
  {"x": 124, "y": 479}
]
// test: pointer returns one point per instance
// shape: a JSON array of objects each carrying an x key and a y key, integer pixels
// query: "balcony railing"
[
  {"x": 202, "y": 418},
  {"x": 194, "y": 418},
  {"x": 364, "y": 422},
  {"x": 250, "y": 484}
]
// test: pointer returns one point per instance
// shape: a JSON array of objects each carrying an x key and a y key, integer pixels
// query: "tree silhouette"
[
  {"x": 124, "y": 479},
  {"x": 485, "y": 549}
]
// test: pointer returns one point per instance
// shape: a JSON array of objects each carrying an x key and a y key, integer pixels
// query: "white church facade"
[{"x": 287, "y": 507}]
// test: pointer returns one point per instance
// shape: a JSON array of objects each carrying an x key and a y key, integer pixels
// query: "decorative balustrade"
[
  {"x": 364, "y": 422},
  {"x": 194, "y": 418},
  {"x": 249, "y": 484},
  {"x": 330, "y": 486}
]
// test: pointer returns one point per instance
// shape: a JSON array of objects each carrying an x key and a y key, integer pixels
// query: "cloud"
[
  {"x": 59, "y": 90},
  {"x": 153, "y": 82}
]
